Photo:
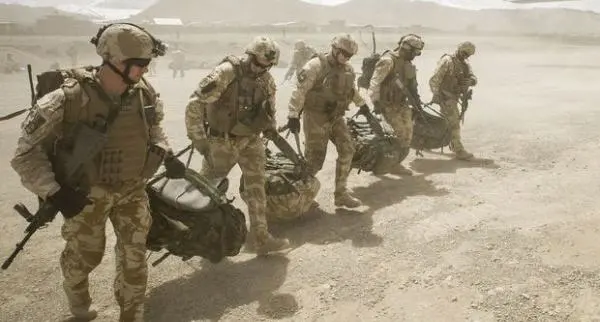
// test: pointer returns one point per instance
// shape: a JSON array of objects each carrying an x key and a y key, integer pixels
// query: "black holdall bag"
[{"x": 193, "y": 217}]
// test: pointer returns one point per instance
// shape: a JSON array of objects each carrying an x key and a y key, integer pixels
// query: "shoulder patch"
[
  {"x": 33, "y": 121},
  {"x": 208, "y": 83},
  {"x": 301, "y": 76}
]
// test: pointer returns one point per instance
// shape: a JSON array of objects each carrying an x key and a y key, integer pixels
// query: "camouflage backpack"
[
  {"x": 368, "y": 65},
  {"x": 192, "y": 217},
  {"x": 367, "y": 70},
  {"x": 290, "y": 188},
  {"x": 430, "y": 130},
  {"x": 377, "y": 150},
  {"x": 47, "y": 82}
]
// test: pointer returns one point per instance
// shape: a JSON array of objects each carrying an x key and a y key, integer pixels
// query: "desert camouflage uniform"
[
  {"x": 178, "y": 63},
  {"x": 116, "y": 179},
  {"x": 451, "y": 78},
  {"x": 393, "y": 104},
  {"x": 299, "y": 58},
  {"x": 125, "y": 203},
  {"x": 321, "y": 126},
  {"x": 231, "y": 142},
  {"x": 395, "y": 69}
]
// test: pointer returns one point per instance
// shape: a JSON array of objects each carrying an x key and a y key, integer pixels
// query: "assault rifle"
[
  {"x": 412, "y": 100},
  {"x": 464, "y": 103}
]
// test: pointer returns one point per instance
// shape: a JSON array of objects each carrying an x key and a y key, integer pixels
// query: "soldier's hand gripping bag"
[
  {"x": 192, "y": 217},
  {"x": 376, "y": 147},
  {"x": 290, "y": 189}
]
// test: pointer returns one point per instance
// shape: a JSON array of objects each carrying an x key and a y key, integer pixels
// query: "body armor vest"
[
  {"x": 390, "y": 93},
  {"x": 244, "y": 108},
  {"x": 333, "y": 89},
  {"x": 123, "y": 158},
  {"x": 458, "y": 72}
]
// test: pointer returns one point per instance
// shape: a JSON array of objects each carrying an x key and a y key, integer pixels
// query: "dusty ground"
[{"x": 511, "y": 236}]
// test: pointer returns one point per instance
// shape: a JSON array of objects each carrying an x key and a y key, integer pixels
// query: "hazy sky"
[
  {"x": 134, "y": 6},
  {"x": 481, "y": 4}
]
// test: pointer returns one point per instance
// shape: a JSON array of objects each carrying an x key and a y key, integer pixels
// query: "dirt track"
[{"x": 511, "y": 236}]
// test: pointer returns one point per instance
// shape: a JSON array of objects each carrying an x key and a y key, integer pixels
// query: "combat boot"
[
  {"x": 263, "y": 243},
  {"x": 464, "y": 155},
  {"x": 83, "y": 314},
  {"x": 400, "y": 170},
  {"x": 344, "y": 199}
]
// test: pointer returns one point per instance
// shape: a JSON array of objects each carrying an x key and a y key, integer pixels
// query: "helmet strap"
[{"x": 124, "y": 75}]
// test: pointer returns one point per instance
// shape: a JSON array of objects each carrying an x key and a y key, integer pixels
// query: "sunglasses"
[
  {"x": 140, "y": 62},
  {"x": 258, "y": 64},
  {"x": 346, "y": 54}
]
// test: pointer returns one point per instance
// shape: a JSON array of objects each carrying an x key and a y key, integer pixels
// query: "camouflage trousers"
[
  {"x": 319, "y": 128},
  {"x": 400, "y": 119},
  {"x": 249, "y": 153},
  {"x": 449, "y": 109},
  {"x": 128, "y": 210}
]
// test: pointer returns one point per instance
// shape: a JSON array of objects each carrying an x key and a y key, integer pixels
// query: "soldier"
[
  {"x": 449, "y": 83},
  {"x": 225, "y": 116},
  {"x": 302, "y": 54},
  {"x": 114, "y": 95},
  {"x": 389, "y": 98},
  {"x": 178, "y": 63},
  {"x": 324, "y": 89}
]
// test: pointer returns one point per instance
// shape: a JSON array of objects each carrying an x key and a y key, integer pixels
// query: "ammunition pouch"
[
  {"x": 150, "y": 114},
  {"x": 73, "y": 160}
]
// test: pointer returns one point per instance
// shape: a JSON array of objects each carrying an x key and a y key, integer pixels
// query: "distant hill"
[
  {"x": 377, "y": 12},
  {"x": 244, "y": 12},
  {"x": 29, "y": 15}
]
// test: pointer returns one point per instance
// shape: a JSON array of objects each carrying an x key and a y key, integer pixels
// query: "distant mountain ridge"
[{"x": 380, "y": 12}]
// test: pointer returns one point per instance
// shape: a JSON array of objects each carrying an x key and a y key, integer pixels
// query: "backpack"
[
  {"x": 47, "y": 82},
  {"x": 192, "y": 216},
  {"x": 376, "y": 153},
  {"x": 367, "y": 70},
  {"x": 289, "y": 188}
]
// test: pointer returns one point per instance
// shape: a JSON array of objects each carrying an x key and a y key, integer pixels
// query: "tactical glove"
[
  {"x": 175, "y": 168},
  {"x": 69, "y": 202},
  {"x": 364, "y": 109},
  {"x": 294, "y": 125}
]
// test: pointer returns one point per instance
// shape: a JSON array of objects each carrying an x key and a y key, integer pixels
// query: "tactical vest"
[
  {"x": 457, "y": 72},
  {"x": 124, "y": 156},
  {"x": 333, "y": 89},
  {"x": 244, "y": 108},
  {"x": 390, "y": 93}
]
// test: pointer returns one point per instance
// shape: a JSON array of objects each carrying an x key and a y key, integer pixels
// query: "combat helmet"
[
  {"x": 265, "y": 50},
  {"x": 466, "y": 47},
  {"x": 412, "y": 42},
  {"x": 300, "y": 44},
  {"x": 346, "y": 43},
  {"x": 122, "y": 41}
]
